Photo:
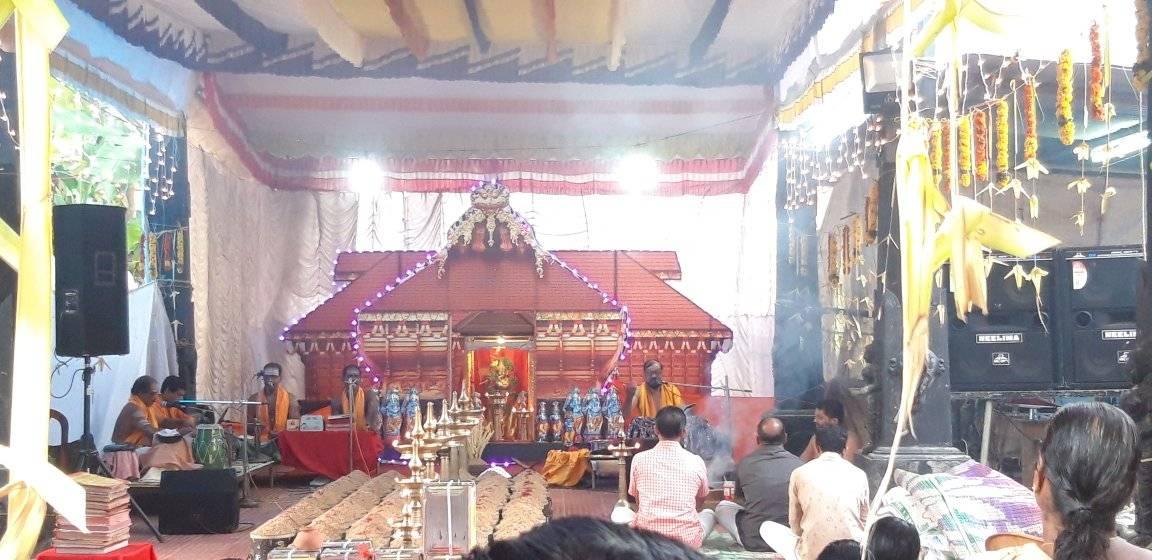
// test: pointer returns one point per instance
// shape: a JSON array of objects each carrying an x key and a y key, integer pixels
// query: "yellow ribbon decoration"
[{"x": 39, "y": 28}]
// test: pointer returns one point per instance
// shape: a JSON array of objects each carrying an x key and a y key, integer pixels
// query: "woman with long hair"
[{"x": 1084, "y": 477}]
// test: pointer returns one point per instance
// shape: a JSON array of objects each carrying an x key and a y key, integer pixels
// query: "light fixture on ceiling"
[
  {"x": 500, "y": 340},
  {"x": 1120, "y": 147},
  {"x": 638, "y": 173},
  {"x": 365, "y": 176},
  {"x": 880, "y": 76}
]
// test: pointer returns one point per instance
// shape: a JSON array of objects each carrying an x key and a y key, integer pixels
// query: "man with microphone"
[
  {"x": 276, "y": 406},
  {"x": 363, "y": 406}
]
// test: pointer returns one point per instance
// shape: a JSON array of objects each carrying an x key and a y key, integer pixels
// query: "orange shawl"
[
  {"x": 669, "y": 396},
  {"x": 282, "y": 406},
  {"x": 138, "y": 437},
  {"x": 361, "y": 420},
  {"x": 162, "y": 412}
]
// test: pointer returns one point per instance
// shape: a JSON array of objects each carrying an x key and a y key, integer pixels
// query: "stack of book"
[
  {"x": 107, "y": 517},
  {"x": 338, "y": 423}
]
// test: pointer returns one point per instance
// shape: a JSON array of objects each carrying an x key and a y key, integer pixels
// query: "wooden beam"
[
  {"x": 334, "y": 30},
  {"x": 546, "y": 24},
  {"x": 9, "y": 246},
  {"x": 616, "y": 51},
  {"x": 414, "y": 35},
  {"x": 709, "y": 30}
]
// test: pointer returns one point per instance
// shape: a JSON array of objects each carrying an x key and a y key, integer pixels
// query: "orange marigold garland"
[
  {"x": 1031, "y": 163},
  {"x": 1003, "y": 139},
  {"x": 964, "y": 149},
  {"x": 980, "y": 133},
  {"x": 936, "y": 150},
  {"x": 1064, "y": 85},
  {"x": 1096, "y": 76},
  {"x": 946, "y": 147}
]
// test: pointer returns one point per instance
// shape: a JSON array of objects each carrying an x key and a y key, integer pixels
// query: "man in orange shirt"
[
  {"x": 169, "y": 413},
  {"x": 137, "y": 422},
  {"x": 276, "y": 406},
  {"x": 364, "y": 404}
]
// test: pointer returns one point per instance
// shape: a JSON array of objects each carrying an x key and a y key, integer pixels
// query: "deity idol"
[
  {"x": 411, "y": 405},
  {"x": 613, "y": 413},
  {"x": 573, "y": 417},
  {"x": 555, "y": 422},
  {"x": 390, "y": 409},
  {"x": 542, "y": 424},
  {"x": 593, "y": 413},
  {"x": 518, "y": 419}
]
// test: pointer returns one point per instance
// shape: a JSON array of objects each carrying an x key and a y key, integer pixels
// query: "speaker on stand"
[
  {"x": 1098, "y": 288},
  {"x": 1013, "y": 346}
]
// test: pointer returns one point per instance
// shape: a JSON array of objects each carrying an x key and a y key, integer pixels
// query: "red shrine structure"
[{"x": 494, "y": 299}]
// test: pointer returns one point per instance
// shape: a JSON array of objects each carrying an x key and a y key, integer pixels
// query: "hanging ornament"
[
  {"x": 1096, "y": 104},
  {"x": 1064, "y": 85},
  {"x": 872, "y": 212},
  {"x": 1003, "y": 139},
  {"x": 1031, "y": 163},
  {"x": 946, "y": 168},
  {"x": 1104, "y": 197},
  {"x": 964, "y": 149},
  {"x": 980, "y": 135},
  {"x": 1079, "y": 219},
  {"x": 936, "y": 150}
]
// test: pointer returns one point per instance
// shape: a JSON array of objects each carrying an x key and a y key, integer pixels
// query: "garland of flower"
[
  {"x": 980, "y": 132},
  {"x": 935, "y": 150},
  {"x": 1096, "y": 75},
  {"x": 1031, "y": 137},
  {"x": 964, "y": 149},
  {"x": 1064, "y": 85},
  {"x": 946, "y": 147},
  {"x": 1003, "y": 133}
]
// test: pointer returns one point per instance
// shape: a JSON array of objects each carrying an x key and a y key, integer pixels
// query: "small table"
[
  {"x": 134, "y": 551},
  {"x": 326, "y": 453}
]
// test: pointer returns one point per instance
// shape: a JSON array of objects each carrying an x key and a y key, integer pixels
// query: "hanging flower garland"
[
  {"x": 1003, "y": 133},
  {"x": 936, "y": 150},
  {"x": 946, "y": 147},
  {"x": 980, "y": 132},
  {"x": 1096, "y": 76},
  {"x": 964, "y": 149},
  {"x": 1031, "y": 138},
  {"x": 1064, "y": 85}
]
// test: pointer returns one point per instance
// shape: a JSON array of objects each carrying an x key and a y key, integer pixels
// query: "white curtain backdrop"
[
  {"x": 726, "y": 245},
  {"x": 260, "y": 259},
  {"x": 153, "y": 352}
]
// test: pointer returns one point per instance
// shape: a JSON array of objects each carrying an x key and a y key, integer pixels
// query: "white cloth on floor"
[{"x": 726, "y": 516}]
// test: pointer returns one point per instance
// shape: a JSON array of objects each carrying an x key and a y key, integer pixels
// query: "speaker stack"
[
  {"x": 1079, "y": 337},
  {"x": 91, "y": 280}
]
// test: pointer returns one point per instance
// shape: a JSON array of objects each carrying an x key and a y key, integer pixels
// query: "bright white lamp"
[
  {"x": 638, "y": 173},
  {"x": 365, "y": 175}
]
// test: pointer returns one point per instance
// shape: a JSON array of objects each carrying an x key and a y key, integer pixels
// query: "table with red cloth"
[
  {"x": 326, "y": 453},
  {"x": 134, "y": 551}
]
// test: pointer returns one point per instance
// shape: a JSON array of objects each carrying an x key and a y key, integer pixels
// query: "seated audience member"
[
  {"x": 137, "y": 422},
  {"x": 893, "y": 538},
  {"x": 277, "y": 405},
  {"x": 670, "y": 484},
  {"x": 365, "y": 404},
  {"x": 1084, "y": 477},
  {"x": 585, "y": 538},
  {"x": 844, "y": 549},
  {"x": 828, "y": 501},
  {"x": 830, "y": 412},
  {"x": 762, "y": 483},
  {"x": 169, "y": 413}
]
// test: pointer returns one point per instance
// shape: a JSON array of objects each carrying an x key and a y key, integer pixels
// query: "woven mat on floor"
[{"x": 721, "y": 545}]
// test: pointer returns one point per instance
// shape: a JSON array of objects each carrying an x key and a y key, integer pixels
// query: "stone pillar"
[{"x": 931, "y": 449}]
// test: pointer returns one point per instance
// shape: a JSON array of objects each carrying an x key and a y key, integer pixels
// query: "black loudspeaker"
[
  {"x": 200, "y": 502},
  {"x": 1098, "y": 289},
  {"x": 1013, "y": 347},
  {"x": 91, "y": 280}
]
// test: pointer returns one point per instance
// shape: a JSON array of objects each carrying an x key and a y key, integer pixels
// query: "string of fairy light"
[{"x": 160, "y": 161}]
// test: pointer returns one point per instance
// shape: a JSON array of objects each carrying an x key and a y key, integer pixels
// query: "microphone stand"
[
  {"x": 350, "y": 390},
  {"x": 245, "y": 500}
]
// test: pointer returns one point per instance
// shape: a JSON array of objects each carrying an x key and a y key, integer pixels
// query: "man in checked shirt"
[{"x": 670, "y": 484}]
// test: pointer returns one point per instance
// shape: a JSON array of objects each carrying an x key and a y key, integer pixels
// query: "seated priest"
[
  {"x": 137, "y": 422},
  {"x": 277, "y": 405},
  {"x": 170, "y": 414},
  {"x": 649, "y": 397},
  {"x": 365, "y": 405}
]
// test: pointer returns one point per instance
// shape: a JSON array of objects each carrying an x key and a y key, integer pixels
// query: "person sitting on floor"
[
  {"x": 169, "y": 413},
  {"x": 1085, "y": 475},
  {"x": 830, "y": 412},
  {"x": 276, "y": 406},
  {"x": 827, "y": 501},
  {"x": 137, "y": 422},
  {"x": 843, "y": 549},
  {"x": 365, "y": 404},
  {"x": 585, "y": 538},
  {"x": 670, "y": 484},
  {"x": 893, "y": 538},
  {"x": 762, "y": 479}
]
